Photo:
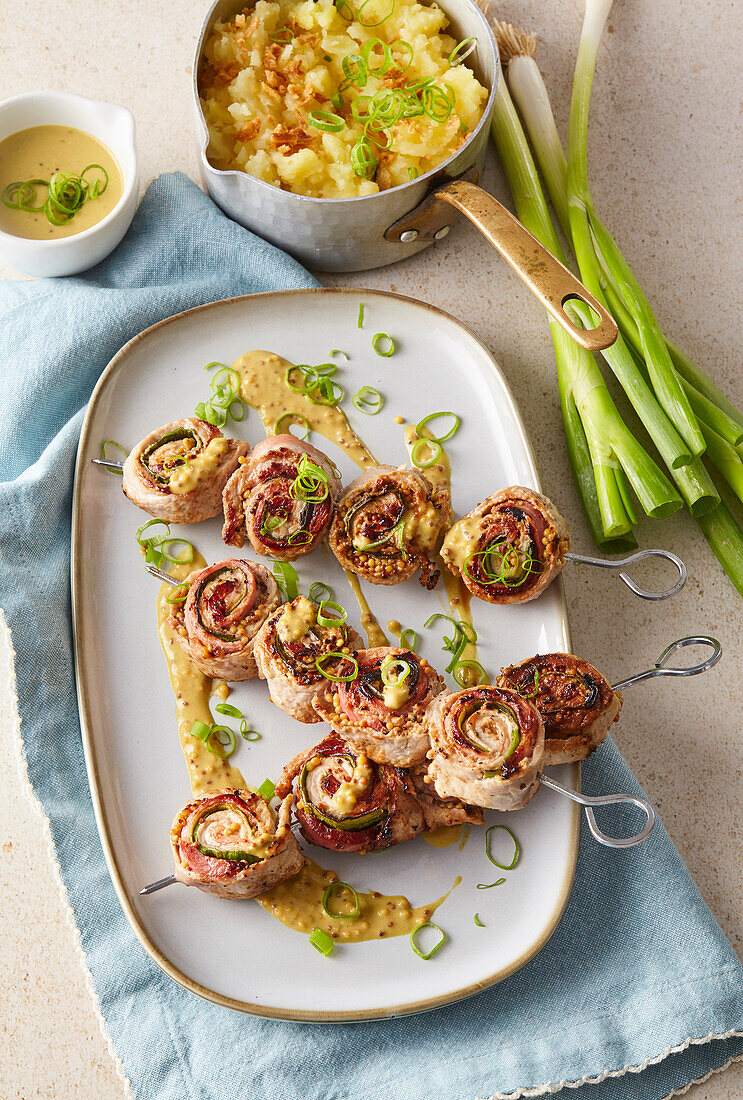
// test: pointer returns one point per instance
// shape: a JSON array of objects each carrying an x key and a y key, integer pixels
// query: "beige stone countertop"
[{"x": 665, "y": 149}]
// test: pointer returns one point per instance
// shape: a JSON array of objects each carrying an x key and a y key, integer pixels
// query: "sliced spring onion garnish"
[
  {"x": 104, "y": 456},
  {"x": 393, "y": 671},
  {"x": 225, "y": 399},
  {"x": 247, "y": 733},
  {"x": 414, "y": 936},
  {"x": 364, "y": 163},
  {"x": 334, "y": 676},
  {"x": 338, "y": 617},
  {"x": 369, "y": 48},
  {"x": 326, "y": 121},
  {"x": 413, "y": 173},
  {"x": 361, "y": 314},
  {"x": 408, "y": 639},
  {"x": 456, "y": 422},
  {"x": 464, "y": 49},
  {"x": 516, "y": 850},
  {"x": 490, "y": 885},
  {"x": 225, "y": 739},
  {"x": 284, "y": 35},
  {"x": 299, "y": 538},
  {"x": 302, "y": 387},
  {"x": 382, "y": 348},
  {"x": 368, "y": 400},
  {"x": 324, "y": 391},
  {"x": 292, "y": 418},
  {"x": 320, "y": 940},
  {"x": 154, "y": 544},
  {"x": 179, "y": 594},
  {"x": 311, "y": 482},
  {"x": 432, "y": 449},
  {"x": 377, "y": 22},
  {"x": 513, "y": 566},
  {"x": 463, "y": 633},
  {"x": 267, "y": 790},
  {"x": 328, "y": 896},
  {"x": 463, "y": 674},
  {"x": 287, "y": 579},
  {"x": 478, "y": 922},
  {"x": 339, "y": 351},
  {"x": 354, "y": 70},
  {"x": 229, "y": 710},
  {"x": 406, "y": 46},
  {"x": 177, "y": 559},
  {"x": 396, "y": 534},
  {"x": 201, "y": 730},
  {"x": 63, "y": 196},
  {"x": 320, "y": 591}
]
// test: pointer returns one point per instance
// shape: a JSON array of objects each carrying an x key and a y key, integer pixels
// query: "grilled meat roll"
[
  {"x": 346, "y": 802},
  {"x": 282, "y": 498},
  {"x": 382, "y": 710},
  {"x": 576, "y": 703},
  {"x": 387, "y": 525},
  {"x": 229, "y": 844},
  {"x": 487, "y": 745},
  {"x": 509, "y": 548},
  {"x": 177, "y": 473},
  {"x": 438, "y": 813},
  {"x": 225, "y": 606},
  {"x": 286, "y": 650}
]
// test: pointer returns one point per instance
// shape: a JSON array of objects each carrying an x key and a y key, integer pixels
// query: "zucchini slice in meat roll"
[
  {"x": 177, "y": 473},
  {"x": 387, "y": 526},
  {"x": 509, "y": 548},
  {"x": 487, "y": 746},
  {"x": 282, "y": 498},
  {"x": 346, "y": 802},
  {"x": 229, "y": 844},
  {"x": 382, "y": 709},
  {"x": 225, "y": 606},
  {"x": 287, "y": 648},
  {"x": 576, "y": 703},
  {"x": 441, "y": 813}
]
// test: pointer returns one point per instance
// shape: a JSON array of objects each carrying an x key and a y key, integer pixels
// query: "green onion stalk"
[
  {"x": 603, "y": 453},
  {"x": 719, "y": 422}
]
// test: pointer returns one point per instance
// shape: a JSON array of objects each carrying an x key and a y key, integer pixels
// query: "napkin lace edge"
[
  {"x": 550, "y": 1088},
  {"x": 8, "y": 674}
]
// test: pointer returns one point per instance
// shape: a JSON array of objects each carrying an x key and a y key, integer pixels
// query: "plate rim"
[{"x": 91, "y": 762}]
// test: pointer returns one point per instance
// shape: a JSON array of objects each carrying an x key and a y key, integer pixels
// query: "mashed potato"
[{"x": 280, "y": 106}]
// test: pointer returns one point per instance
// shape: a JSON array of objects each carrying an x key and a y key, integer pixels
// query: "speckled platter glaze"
[{"x": 235, "y": 953}]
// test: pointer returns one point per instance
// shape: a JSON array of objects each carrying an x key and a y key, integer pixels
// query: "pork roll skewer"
[
  {"x": 346, "y": 802},
  {"x": 225, "y": 605},
  {"x": 287, "y": 648},
  {"x": 511, "y": 547},
  {"x": 577, "y": 704},
  {"x": 177, "y": 473},
  {"x": 487, "y": 746},
  {"x": 387, "y": 526},
  {"x": 441, "y": 813},
  {"x": 281, "y": 499},
  {"x": 381, "y": 711},
  {"x": 229, "y": 844}
]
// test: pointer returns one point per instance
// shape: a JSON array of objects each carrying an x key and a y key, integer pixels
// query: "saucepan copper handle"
[{"x": 545, "y": 276}]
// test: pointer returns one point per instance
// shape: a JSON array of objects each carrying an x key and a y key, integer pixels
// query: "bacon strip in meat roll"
[
  {"x": 287, "y": 648},
  {"x": 509, "y": 548},
  {"x": 346, "y": 802},
  {"x": 282, "y": 498},
  {"x": 387, "y": 525},
  {"x": 229, "y": 844},
  {"x": 382, "y": 709},
  {"x": 225, "y": 606},
  {"x": 177, "y": 473},
  {"x": 487, "y": 746},
  {"x": 441, "y": 813},
  {"x": 576, "y": 703}
]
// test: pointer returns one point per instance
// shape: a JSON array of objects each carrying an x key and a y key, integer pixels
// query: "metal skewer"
[
  {"x": 159, "y": 885},
  {"x": 603, "y": 563},
  {"x": 108, "y": 463},
  {"x": 588, "y": 801},
  {"x": 661, "y": 669},
  {"x": 161, "y": 576}
]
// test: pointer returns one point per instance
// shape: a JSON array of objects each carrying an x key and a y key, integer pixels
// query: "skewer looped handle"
[
  {"x": 661, "y": 669},
  {"x": 161, "y": 576},
  {"x": 604, "y": 563},
  {"x": 588, "y": 801}
]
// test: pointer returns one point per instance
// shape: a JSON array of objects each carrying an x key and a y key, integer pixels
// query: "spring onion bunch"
[{"x": 684, "y": 413}]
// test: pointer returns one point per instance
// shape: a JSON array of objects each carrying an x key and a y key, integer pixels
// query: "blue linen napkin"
[{"x": 638, "y": 975}]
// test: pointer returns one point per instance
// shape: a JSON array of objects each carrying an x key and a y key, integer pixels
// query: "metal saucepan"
[{"x": 370, "y": 231}]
